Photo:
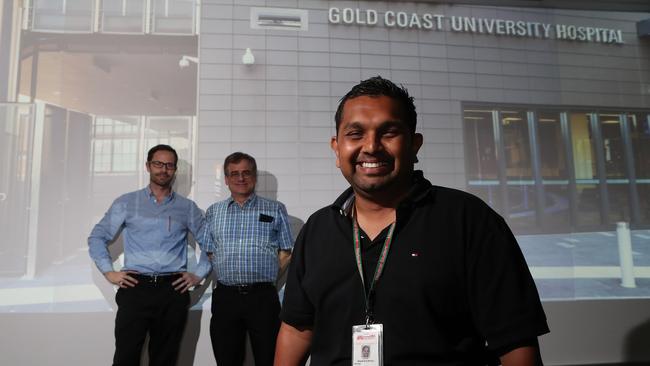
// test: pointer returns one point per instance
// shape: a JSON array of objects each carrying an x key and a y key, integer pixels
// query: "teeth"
[{"x": 371, "y": 165}]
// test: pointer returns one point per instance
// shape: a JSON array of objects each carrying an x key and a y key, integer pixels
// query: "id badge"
[{"x": 367, "y": 345}]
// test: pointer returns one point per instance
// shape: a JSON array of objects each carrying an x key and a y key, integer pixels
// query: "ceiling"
[{"x": 110, "y": 74}]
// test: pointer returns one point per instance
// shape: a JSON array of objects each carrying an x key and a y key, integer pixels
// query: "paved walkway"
[{"x": 585, "y": 265}]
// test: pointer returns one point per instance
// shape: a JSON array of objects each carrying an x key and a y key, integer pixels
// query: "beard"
[{"x": 162, "y": 179}]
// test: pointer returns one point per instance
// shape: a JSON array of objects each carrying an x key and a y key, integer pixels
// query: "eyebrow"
[{"x": 382, "y": 125}]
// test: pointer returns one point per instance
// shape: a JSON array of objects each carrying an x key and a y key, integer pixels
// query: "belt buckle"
[
  {"x": 242, "y": 289},
  {"x": 153, "y": 279}
]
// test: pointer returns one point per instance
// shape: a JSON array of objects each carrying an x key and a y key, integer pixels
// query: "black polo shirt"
[{"x": 454, "y": 281}]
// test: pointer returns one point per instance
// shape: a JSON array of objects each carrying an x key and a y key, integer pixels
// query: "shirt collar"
[
  {"x": 151, "y": 196},
  {"x": 420, "y": 190},
  {"x": 250, "y": 201}
]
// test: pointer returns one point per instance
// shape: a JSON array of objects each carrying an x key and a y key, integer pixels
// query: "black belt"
[
  {"x": 155, "y": 279},
  {"x": 246, "y": 288}
]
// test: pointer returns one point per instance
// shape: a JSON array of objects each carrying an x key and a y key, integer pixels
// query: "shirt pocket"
[
  {"x": 264, "y": 228},
  {"x": 173, "y": 226}
]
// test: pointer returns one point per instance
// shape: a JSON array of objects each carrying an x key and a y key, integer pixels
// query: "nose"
[{"x": 372, "y": 143}]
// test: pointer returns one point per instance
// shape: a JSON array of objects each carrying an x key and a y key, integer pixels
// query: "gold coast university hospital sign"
[{"x": 464, "y": 24}]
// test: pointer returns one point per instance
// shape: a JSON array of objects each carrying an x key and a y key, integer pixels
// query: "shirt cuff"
[{"x": 105, "y": 266}]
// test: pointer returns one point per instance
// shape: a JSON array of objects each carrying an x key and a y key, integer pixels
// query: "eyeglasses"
[
  {"x": 160, "y": 164},
  {"x": 245, "y": 174}
]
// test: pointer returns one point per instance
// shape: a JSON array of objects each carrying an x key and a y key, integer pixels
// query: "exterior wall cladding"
[{"x": 281, "y": 109}]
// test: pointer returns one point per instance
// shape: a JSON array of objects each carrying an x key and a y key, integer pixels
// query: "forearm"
[
  {"x": 522, "y": 356},
  {"x": 102, "y": 234},
  {"x": 292, "y": 345},
  {"x": 204, "y": 266},
  {"x": 98, "y": 251},
  {"x": 284, "y": 257}
]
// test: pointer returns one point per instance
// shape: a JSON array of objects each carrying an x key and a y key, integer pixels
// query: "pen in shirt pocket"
[{"x": 169, "y": 224}]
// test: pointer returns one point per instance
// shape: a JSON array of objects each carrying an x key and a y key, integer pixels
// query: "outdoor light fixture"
[
  {"x": 185, "y": 61},
  {"x": 248, "y": 58}
]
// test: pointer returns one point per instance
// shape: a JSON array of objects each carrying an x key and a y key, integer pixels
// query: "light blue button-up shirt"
[
  {"x": 155, "y": 234},
  {"x": 245, "y": 240}
]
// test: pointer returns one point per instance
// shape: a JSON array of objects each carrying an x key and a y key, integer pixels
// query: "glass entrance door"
[
  {"x": 521, "y": 205},
  {"x": 588, "y": 194},
  {"x": 616, "y": 172}
]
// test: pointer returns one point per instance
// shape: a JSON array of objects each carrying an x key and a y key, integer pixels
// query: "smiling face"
[
  {"x": 241, "y": 178},
  {"x": 375, "y": 149},
  {"x": 162, "y": 176}
]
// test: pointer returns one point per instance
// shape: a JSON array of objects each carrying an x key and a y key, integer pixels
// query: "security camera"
[{"x": 185, "y": 61}]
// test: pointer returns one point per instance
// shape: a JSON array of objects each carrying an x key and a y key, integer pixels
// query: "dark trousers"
[
  {"x": 154, "y": 308},
  {"x": 235, "y": 311}
]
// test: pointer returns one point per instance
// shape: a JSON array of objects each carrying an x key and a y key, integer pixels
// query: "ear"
[
  {"x": 335, "y": 147},
  {"x": 146, "y": 164},
  {"x": 418, "y": 140}
]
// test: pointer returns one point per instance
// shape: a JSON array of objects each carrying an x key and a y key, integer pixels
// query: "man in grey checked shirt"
[{"x": 249, "y": 240}]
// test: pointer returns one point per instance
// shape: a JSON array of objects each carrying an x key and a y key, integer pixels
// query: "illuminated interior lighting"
[{"x": 477, "y": 111}]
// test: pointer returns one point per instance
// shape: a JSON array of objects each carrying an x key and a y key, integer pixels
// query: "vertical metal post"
[
  {"x": 625, "y": 255},
  {"x": 571, "y": 173},
  {"x": 196, "y": 21},
  {"x": 600, "y": 164},
  {"x": 34, "y": 73},
  {"x": 148, "y": 16},
  {"x": 501, "y": 163},
  {"x": 37, "y": 135},
  {"x": 628, "y": 153},
  {"x": 6, "y": 35},
  {"x": 535, "y": 160},
  {"x": 98, "y": 12}
]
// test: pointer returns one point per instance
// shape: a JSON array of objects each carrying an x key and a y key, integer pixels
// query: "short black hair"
[
  {"x": 376, "y": 87},
  {"x": 161, "y": 147},
  {"x": 235, "y": 158}
]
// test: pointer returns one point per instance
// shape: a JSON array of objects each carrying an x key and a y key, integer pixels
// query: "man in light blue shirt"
[
  {"x": 153, "y": 296},
  {"x": 250, "y": 239}
]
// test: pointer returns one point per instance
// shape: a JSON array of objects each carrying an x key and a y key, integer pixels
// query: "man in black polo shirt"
[{"x": 398, "y": 271}]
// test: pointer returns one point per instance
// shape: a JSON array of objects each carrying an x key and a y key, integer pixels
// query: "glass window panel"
[
  {"x": 552, "y": 157},
  {"x": 554, "y": 171},
  {"x": 115, "y": 145},
  {"x": 173, "y": 16},
  {"x": 63, "y": 15},
  {"x": 519, "y": 174},
  {"x": 639, "y": 125},
  {"x": 614, "y": 155},
  {"x": 514, "y": 127},
  {"x": 123, "y": 16},
  {"x": 479, "y": 145},
  {"x": 480, "y": 155},
  {"x": 584, "y": 162},
  {"x": 610, "y": 127}
]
